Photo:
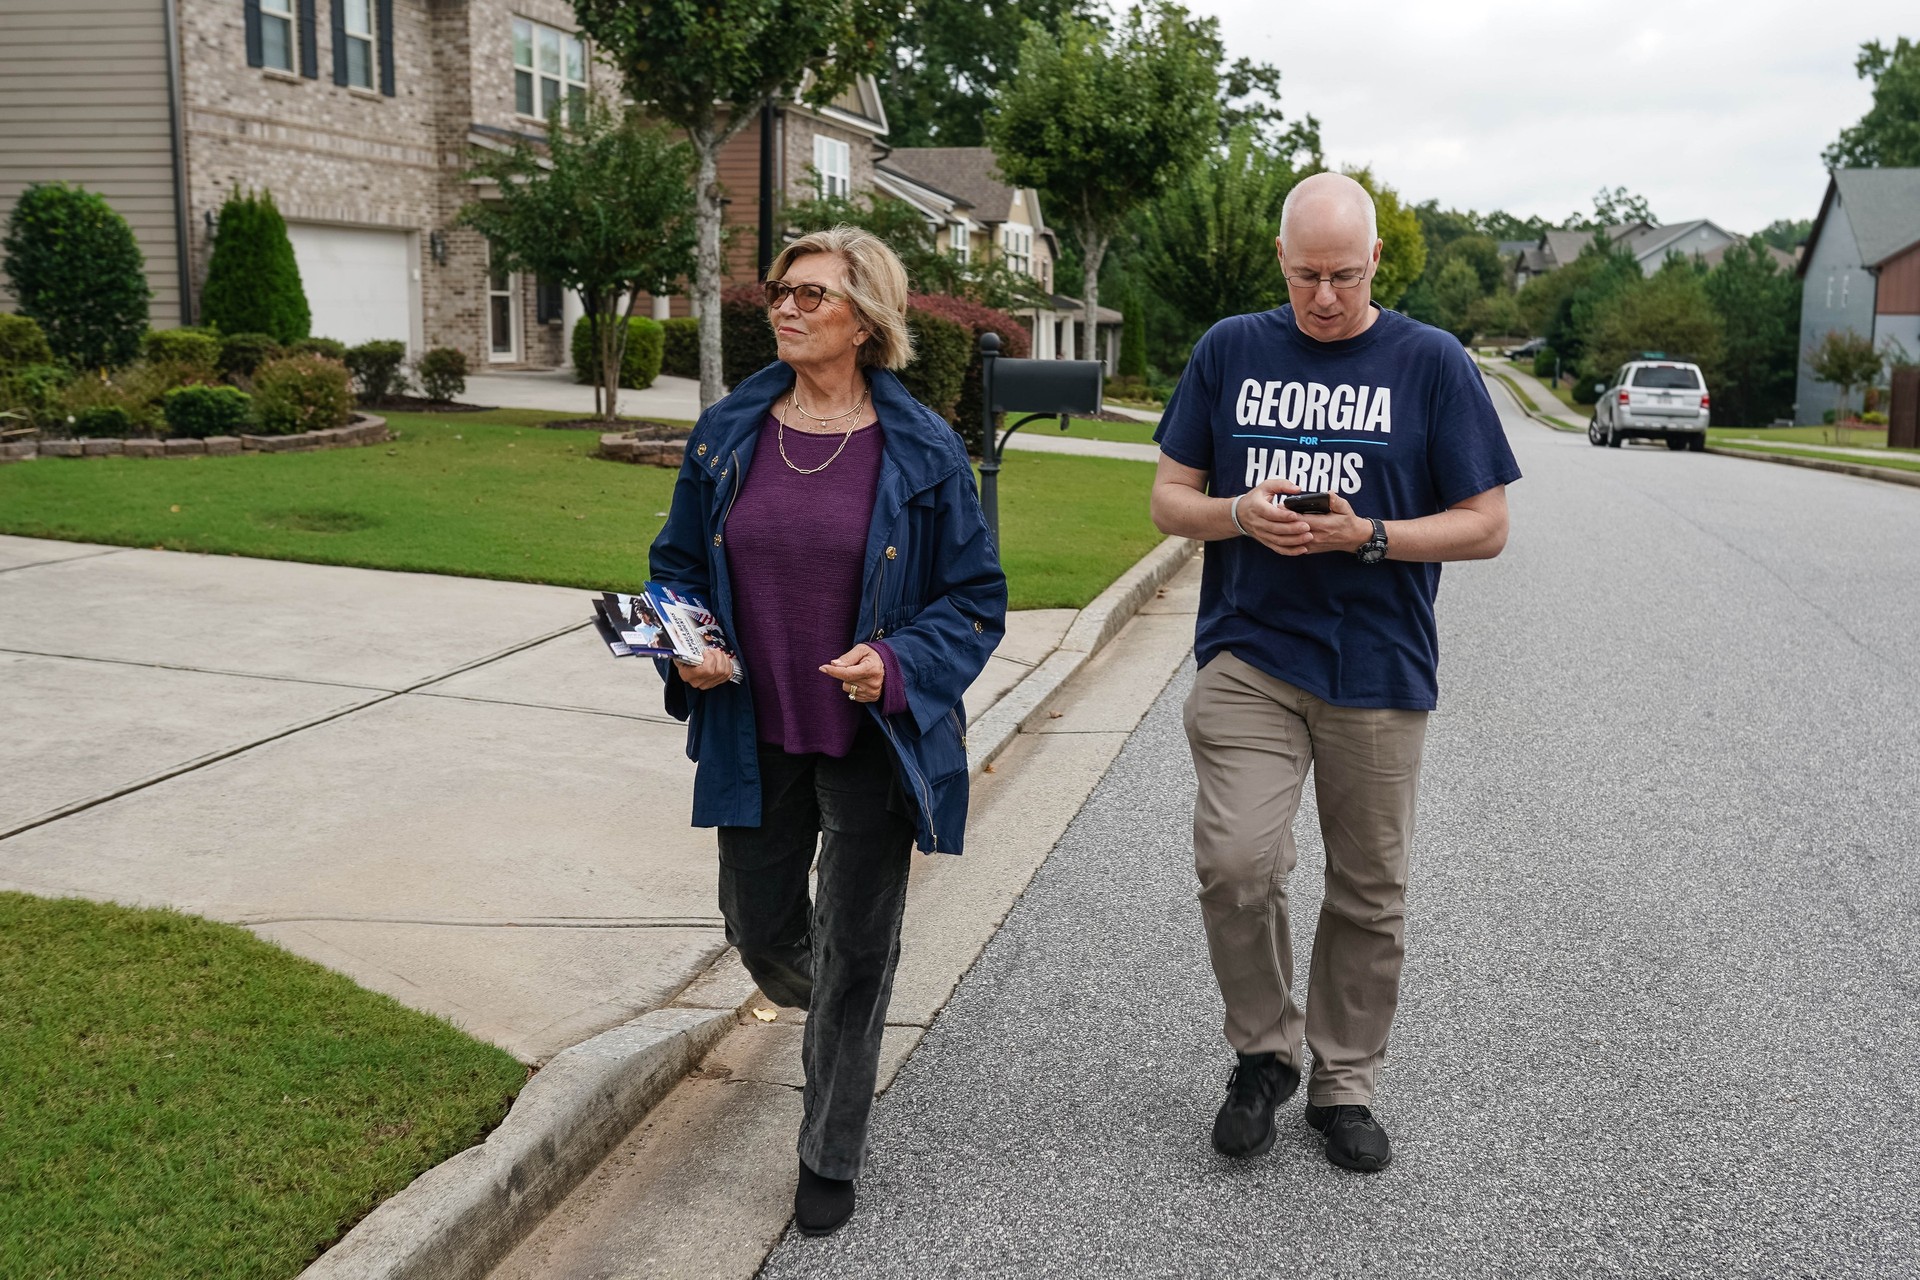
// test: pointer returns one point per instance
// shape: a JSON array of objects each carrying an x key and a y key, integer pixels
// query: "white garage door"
[{"x": 359, "y": 283}]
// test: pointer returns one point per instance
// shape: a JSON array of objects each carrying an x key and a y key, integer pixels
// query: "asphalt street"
[{"x": 1661, "y": 1011}]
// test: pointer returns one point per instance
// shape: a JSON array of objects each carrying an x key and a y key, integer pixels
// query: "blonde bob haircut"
[{"x": 876, "y": 282}]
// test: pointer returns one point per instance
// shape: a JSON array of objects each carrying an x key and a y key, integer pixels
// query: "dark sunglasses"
[{"x": 807, "y": 297}]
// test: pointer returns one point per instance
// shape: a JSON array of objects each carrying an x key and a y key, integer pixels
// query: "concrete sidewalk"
[
  {"x": 668, "y": 397},
  {"x": 442, "y": 787}
]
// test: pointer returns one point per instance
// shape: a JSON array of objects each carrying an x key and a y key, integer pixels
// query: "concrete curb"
[
  {"x": 459, "y": 1219},
  {"x": 1098, "y": 623},
  {"x": 1513, "y": 389},
  {"x": 1864, "y": 471}
]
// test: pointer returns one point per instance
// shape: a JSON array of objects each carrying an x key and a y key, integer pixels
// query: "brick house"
[
  {"x": 979, "y": 215},
  {"x": 359, "y": 116}
]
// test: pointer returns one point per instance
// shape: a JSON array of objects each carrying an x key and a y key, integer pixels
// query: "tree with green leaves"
[
  {"x": 709, "y": 68},
  {"x": 1602, "y": 269},
  {"x": 1103, "y": 121},
  {"x": 1786, "y": 233},
  {"x": 1612, "y": 208},
  {"x": 1403, "y": 250},
  {"x": 1669, "y": 312},
  {"x": 77, "y": 271},
  {"x": 1846, "y": 360},
  {"x": 1759, "y": 307},
  {"x": 947, "y": 61},
  {"x": 1207, "y": 243},
  {"x": 605, "y": 207},
  {"x": 253, "y": 282},
  {"x": 1888, "y": 136},
  {"x": 1455, "y": 290}
]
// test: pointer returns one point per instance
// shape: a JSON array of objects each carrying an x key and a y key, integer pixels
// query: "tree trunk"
[
  {"x": 1096, "y": 250},
  {"x": 706, "y": 270}
]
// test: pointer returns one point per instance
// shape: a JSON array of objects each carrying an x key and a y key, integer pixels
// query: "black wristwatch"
[{"x": 1374, "y": 549}]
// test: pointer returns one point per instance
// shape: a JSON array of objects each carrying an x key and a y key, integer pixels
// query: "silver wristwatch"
[{"x": 1374, "y": 549}]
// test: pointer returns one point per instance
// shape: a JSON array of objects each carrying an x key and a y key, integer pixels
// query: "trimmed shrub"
[
  {"x": 1133, "y": 337},
  {"x": 253, "y": 281},
  {"x": 195, "y": 348},
  {"x": 941, "y": 350},
  {"x": 331, "y": 348},
  {"x": 680, "y": 349},
  {"x": 77, "y": 271},
  {"x": 639, "y": 363},
  {"x": 22, "y": 343},
  {"x": 1874, "y": 418},
  {"x": 1543, "y": 362},
  {"x": 442, "y": 373},
  {"x": 103, "y": 422},
  {"x": 1583, "y": 387},
  {"x": 32, "y": 393},
  {"x": 301, "y": 393},
  {"x": 746, "y": 338},
  {"x": 199, "y": 412},
  {"x": 380, "y": 369},
  {"x": 243, "y": 353},
  {"x": 976, "y": 320}
]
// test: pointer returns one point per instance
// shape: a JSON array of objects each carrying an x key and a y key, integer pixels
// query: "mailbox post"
[{"x": 1037, "y": 388}]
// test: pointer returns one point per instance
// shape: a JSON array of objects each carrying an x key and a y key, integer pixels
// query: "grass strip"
[
  {"x": 494, "y": 496},
  {"x": 1896, "y": 461},
  {"x": 184, "y": 1099}
]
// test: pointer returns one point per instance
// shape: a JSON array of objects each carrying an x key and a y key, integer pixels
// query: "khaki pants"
[{"x": 1252, "y": 738}]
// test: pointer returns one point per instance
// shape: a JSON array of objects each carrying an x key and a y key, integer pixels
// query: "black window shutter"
[
  {"x": 255, "y": 58},
  {"x": 383, "y": 20},
  {"x": 339, "y": 15},
  {"x": 309, "y": 41},
  {"x": 546, "y": 302}
]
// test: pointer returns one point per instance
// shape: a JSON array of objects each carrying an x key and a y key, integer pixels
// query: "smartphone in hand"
[{"x": 1307, "y": 504}]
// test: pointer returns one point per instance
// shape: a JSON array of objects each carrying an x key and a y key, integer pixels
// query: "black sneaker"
[
  {"x": 1244, "y": 1126},
  {"x": 821, "y": 1205},
  {"x": 1355, "y": 1139}
]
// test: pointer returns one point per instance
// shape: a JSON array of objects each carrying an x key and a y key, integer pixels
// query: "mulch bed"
[
  {"x": 634, "y": 428},
  {"x": 419, "y": 404}
]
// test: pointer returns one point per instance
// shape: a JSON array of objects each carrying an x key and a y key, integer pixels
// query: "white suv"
[{"x": 1654, "y": 400}]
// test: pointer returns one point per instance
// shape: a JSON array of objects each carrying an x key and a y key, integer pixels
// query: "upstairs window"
[
  {"x": 549, "y": 67},
  {"x": 1019, "y": 248},
  {"x": 833, "y": 162},
  {"x": 276, "y": 34},
  {"x": 357, "y": 24},
  {"x": 957, "y": 240}
]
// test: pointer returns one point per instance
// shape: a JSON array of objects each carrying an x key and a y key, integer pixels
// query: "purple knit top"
[{"x": 796, "y": 546}]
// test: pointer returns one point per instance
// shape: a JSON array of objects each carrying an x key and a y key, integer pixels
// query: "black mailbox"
[{"x": 1037, "y": 388}]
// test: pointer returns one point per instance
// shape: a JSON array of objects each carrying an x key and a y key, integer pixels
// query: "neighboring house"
[
  {"x": 1649, "y": 243},
  {"x": 359, "y": 116},
  {"x": 1860, "y": 271},
  {"x": 978, "y": 216}
]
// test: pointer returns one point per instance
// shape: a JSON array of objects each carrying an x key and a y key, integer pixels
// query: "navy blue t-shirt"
[{"x": 1395, "y": 419}]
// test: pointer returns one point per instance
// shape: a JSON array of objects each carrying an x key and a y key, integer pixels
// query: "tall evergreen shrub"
[
  {"x": 253, "y": 283},
  {"x": 76, "y": 270}
]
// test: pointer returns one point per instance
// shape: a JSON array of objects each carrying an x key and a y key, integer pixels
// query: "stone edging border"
[
  {"x": 619, "y": 447},
  {"x": 1863, "y": 470},
  {"x": 366, "y": 429},
  {"x": 457, "y": 1220}
]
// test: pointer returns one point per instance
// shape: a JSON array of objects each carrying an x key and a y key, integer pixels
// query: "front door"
[{"x": 503, "y": 315}]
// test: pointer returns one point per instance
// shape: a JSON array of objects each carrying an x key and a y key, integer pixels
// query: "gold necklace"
[
  {"x": 793, "y": 398},
  {"x": 781, "y": 436}
]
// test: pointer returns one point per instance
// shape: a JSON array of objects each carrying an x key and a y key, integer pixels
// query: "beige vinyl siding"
[{"x": 83, "y": 99}]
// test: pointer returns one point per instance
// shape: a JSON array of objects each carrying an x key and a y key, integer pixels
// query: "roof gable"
[
  {"x": 970, "y": 173},
  {"x": 1883, "y": 206}
]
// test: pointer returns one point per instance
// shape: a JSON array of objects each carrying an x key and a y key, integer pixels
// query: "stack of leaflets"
[{"x": 660, "y": 623}]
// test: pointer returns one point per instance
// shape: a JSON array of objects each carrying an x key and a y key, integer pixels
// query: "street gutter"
[
  {"x": 1863, "y": 470},
  {"x": 458, "y": 1220}
]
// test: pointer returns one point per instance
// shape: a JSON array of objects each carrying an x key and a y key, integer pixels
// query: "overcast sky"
[{"x": 1710, "y": 110}]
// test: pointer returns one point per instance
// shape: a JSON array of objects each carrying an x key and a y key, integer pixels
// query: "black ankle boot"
[{"x": 821, "y": 1205}]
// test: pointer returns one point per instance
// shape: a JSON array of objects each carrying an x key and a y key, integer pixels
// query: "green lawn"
[
  {"x": 1092, "y": 429},
  {"x": 183, "y": 1099},
  {"x": 1896, "y": 459},
  {"x": 1851, "y": 438},
  {"x": 491, "y": 496}
]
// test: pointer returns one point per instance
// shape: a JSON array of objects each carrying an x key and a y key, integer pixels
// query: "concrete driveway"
[{"x": 443, "y": 787}]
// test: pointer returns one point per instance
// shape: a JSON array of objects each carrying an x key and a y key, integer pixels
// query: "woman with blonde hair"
[{"x": 830, "y": 521}]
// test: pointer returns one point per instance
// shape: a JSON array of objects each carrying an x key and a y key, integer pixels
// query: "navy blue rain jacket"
[{"x": 932, "y": 588}]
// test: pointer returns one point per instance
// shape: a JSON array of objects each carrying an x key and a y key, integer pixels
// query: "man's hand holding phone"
[{"x": 1327, "y": 524}]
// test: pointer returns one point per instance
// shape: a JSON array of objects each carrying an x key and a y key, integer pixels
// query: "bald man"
[{"x": 1316, "y": 645}]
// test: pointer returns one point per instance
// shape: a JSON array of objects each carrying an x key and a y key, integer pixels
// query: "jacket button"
[
  {"x": 716, "y": 542},
  {"x": 892, "y": 554},
  {"x": 879, "y": 634},
  {"x": 701, "y": 452},
  {"x": 977, "y": 624}
]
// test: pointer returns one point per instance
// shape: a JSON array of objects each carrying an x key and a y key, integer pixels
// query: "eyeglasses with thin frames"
[
  {"x": 1346, "y": 278},
  {"x": 807, "y": 297}
]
